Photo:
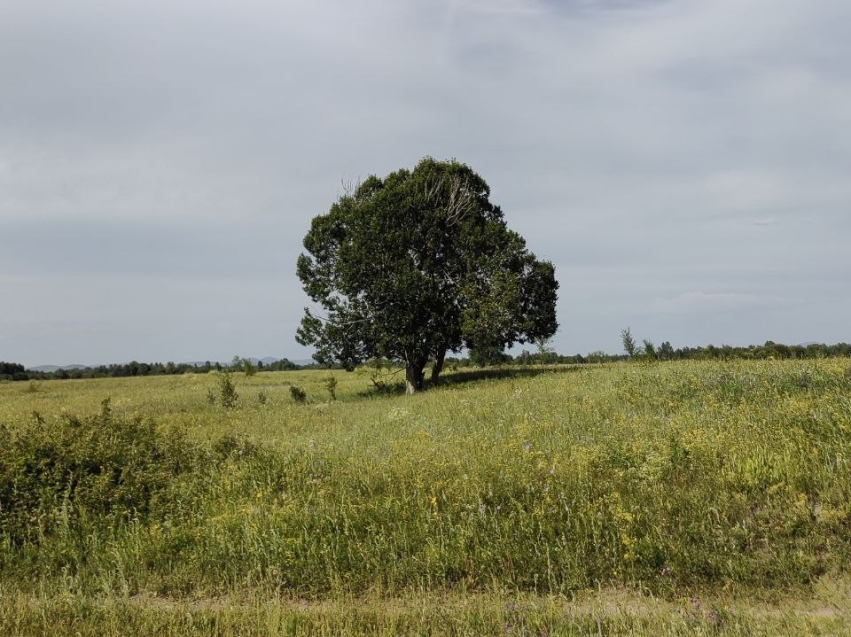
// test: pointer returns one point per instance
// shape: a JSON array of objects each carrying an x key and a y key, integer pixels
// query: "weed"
[
  {"x": 331, "y": 386},
  {"x": 298, "y": 394},
  {"x": 227, "y": 394}
]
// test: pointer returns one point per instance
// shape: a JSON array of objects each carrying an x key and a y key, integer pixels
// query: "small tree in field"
[
  {"x": 629, "y": 345},
  {"x": 416, "y": 264},
  {"x": 227, "y": 389},
  {"x": 331, "y": 386}
]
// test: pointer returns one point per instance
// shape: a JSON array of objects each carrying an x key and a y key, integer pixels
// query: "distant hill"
[
  {"x": 49, "y": 369},
  {"x": 268, "y": 360}
]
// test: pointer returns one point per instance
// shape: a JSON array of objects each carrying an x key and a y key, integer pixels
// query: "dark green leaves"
[{"x": 419, "y": 263}]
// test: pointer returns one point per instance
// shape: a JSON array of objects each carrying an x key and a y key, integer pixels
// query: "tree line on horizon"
[
  {"x": 16, "y": 371},
  {"x": 664, "y": 352}
]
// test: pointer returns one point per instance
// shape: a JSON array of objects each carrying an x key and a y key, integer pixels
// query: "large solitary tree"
[{"x": 415, "y": 265}]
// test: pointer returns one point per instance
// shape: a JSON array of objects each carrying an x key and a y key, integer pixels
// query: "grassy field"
[{"x": 658, "y": 499}]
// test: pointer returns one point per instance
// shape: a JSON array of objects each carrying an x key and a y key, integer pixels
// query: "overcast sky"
[{"x": 686, "y": 164}]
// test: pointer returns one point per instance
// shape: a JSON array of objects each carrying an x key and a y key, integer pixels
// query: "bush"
[
  {"x": 298, "y": 394},
  {"x": 227, "y": 389},
  {"x": 234, "y": 445},
  {"x": 248, "y": 367},
  {"x": 51, "y": 474}
]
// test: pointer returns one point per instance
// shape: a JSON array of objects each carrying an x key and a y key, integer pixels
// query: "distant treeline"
[
  {"x": 12, "y": 371},
  {"x": 15, "y": 371},
  {"x": 771, "y": 350},
  {"x": 666, "y": 352}
]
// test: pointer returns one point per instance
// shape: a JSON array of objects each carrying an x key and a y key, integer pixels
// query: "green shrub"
[
  {"x": 227, "y": 389},
  {"x": 298, "y": 394},
  {"x": 234, "y": 445},
  {"x": 248, "y": 367},
  {"x": 51, "y": 473}
]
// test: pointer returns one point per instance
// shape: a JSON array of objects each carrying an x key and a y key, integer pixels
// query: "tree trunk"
[
  {"x": 438, "y": 366},
  {"x": 414, "y": 377}
]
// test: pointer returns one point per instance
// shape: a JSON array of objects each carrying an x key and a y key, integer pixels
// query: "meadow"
[{"x": 670, "y": 498}]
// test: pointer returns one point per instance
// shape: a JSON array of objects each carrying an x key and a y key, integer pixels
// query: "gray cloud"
[
  {"x": 174, "y": 153},
  {"x": 701, "y": 303}
]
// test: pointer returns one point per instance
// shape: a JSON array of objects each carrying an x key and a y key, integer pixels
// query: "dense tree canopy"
[{"x": 417, "y": 264}]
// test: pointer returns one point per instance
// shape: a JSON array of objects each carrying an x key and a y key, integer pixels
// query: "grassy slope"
[{"x": 711, "y": 481}]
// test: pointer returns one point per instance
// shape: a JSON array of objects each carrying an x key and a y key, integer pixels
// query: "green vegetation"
[
  {"x": 418, "y": 264},
  {"x": 645, "y": 498},
  {"x": 331, "y": 386},
  {"x": 227, "y": 394},
  {"x": 12, "y": 371},
  {"x": 298, "y": 394},
  {"x": 71, "y": 477},
  {"x": 629, "y": 345}
]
